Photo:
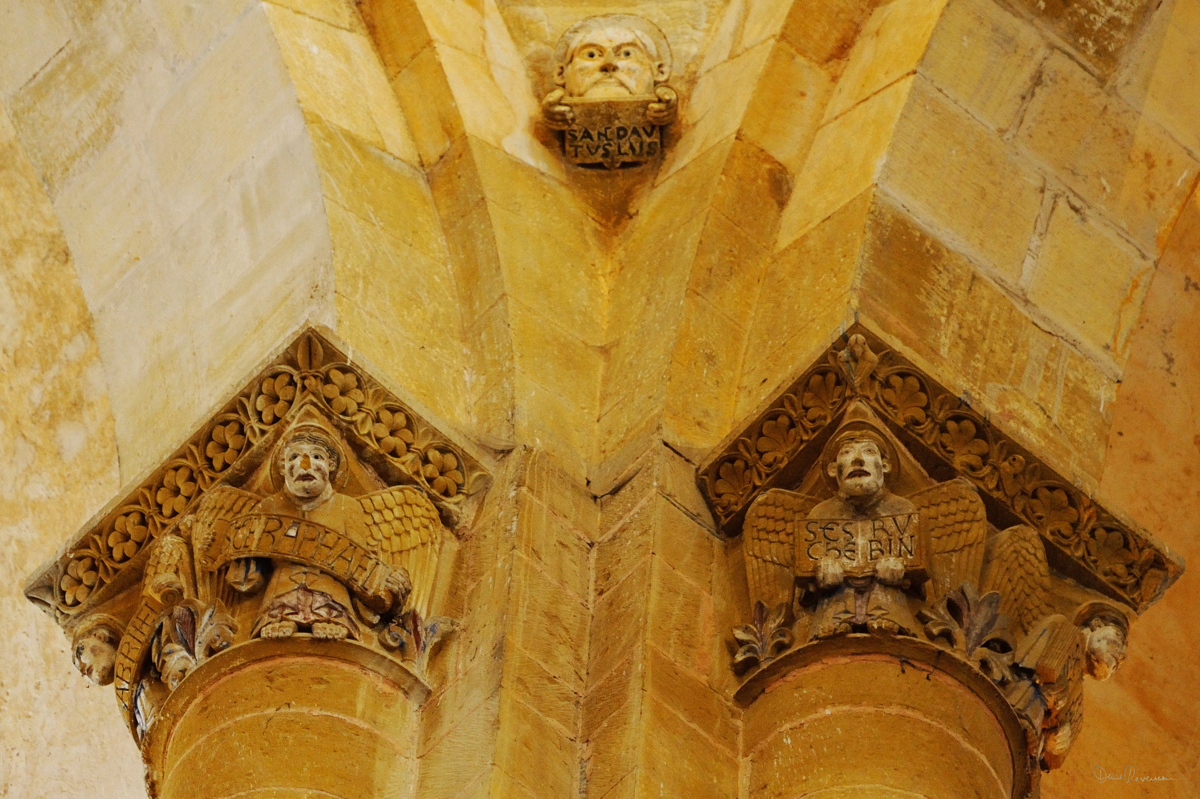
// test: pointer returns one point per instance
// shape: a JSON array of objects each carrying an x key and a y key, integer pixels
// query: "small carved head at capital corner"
[
  {"x": 94, "y": 648},
  {"x": 611, "y": 98},
  {"x": 1106, "y": 642}
]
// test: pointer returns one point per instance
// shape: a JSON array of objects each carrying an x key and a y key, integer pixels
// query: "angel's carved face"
[
  {"x": 94, "y": 656},
  {"x": 860, "y": 468},
  {"x": 308, "y": 468},
  {"x": 1105, "y": 650}
]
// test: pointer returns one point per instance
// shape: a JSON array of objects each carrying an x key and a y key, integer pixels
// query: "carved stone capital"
[
  {"x": 312, "y": 517},
  {"x": 878, "y": 508}
]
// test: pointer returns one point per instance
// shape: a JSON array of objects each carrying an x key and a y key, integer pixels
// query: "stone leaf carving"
[
  {"x": 1121, "y": 560},
  {"x": 611, "y": 100},
  {"x": 383, "y": 431}
]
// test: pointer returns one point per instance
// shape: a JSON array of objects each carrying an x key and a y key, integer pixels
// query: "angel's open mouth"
[
  {"x": 858, "y": 473},
  {"x": 308, "y": 478}
]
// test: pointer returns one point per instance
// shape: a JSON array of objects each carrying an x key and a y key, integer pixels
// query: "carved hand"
[
  {"x": 889, "y": 571},
  {"x": 830, "y": 573},
  {"x": 557, "y": 115},
  {"x": 663, "y": 112}
]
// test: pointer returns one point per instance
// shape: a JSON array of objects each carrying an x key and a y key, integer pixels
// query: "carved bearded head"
[
  {"x": 860, "y": 464},
  {"x": 310, "y": 463},
  {"x": 94, "y": 652},
  {"x": 614, "y": 56}
]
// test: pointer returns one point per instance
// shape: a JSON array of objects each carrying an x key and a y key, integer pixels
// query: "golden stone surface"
[{"x": 1004, "y": 194}]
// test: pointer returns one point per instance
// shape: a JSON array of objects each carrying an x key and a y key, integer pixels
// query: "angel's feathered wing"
[
  {"x": 221, "y": 504},
  {"x": 772, "y": 524},
  {"x": 1018, "y": 571},
  {"x": 405, "y": 531},
  {"x": 955, "y": 524}
]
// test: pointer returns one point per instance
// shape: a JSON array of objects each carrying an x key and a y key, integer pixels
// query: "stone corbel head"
[
  {"x": 611, "y": 97},
  {"x": 1105, "y": 631},
  {"x": 94, "y": 647}
]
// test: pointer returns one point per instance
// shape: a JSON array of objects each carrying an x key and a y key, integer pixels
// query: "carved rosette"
[
  {"x": 966, "y": 545},
  {"x": 226, "y": 547}
]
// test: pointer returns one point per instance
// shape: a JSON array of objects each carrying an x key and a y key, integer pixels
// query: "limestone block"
[
  {"x": 559, "y": 552},
  {"x": 681, "y": 618},
  {"x": 557, "y": 360},
  {"x": 342, "y": 14},
  {"x": 680, "y": 761},
  {"x": 629, "y": 426},
  {"x": 1099, "y": 30},
  {"x": 890, "y": 46},
  {"x": 684, "y": 545},
  {"x": 961, "y": 178},
  {"x": 700, "y": 398},
  {"x": 1103, "y": 309},
  {"x": 626, "y": 547},
  {"x": 540, "y": 755},
  {"x": 238, "y": 97},
  {"x": 715, "y": 108},
  {"x": 428, "y": 105},
  {"x": 1160, "y": 79},
  {"x": 339, "y": 77},
  {"x": 471, "y": 241},
  {"x": 456, "y": 23},
  {"x": 524, "y": 677},
  {"x": 548, "y": 625},
  {"x": 110, "y": 219},
  {"x": 698, "y": 704},
  {"x": 845, "y": 159},
  {"x": 189, "y": 29},
  {"x": 753, "y": 190},
  {"x": 106, "y": 78},
  {"x": 550, "y": 484},
  {"x": 465, "y": 753},
  {"x": 787, "y": 106},
  {"x": 552, "y": 255},
  {"x": 486, "y": 112},
  {"x": 825, "y": 31},
  {"x": 985, "y": 59},
  {"x": 547, "y": 420},
  {"x": 397, "y": 30},
  {"x": 31, "y": 33},
  {"x": 1123, "y": 164},
  {"x": 618, "y": 622},
  {"x": 815, "y": 271},
  {"x": 377, "y": 187},
  {"x": 613, "y": 750}
]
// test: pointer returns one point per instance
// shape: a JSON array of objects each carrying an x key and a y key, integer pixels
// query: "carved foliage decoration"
[
  {"x": 1123, "y": 559},
  {"x": 383, "y": 428}
]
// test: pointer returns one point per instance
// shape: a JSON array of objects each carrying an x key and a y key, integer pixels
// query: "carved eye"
[
  {"x": 627, "y": 53},
  {"x": 591, "y": 54}
]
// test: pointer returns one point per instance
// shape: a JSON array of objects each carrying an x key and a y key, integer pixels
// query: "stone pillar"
[
  {"x": 856, "y": 718},
  {"x": 288, "y": 719},
  {"x": 266, "y": 602}
]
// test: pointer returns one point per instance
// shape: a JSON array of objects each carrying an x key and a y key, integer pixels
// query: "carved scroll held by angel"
[
  {"x": 330, "y": 563},
  {"x": 861, "y": 553}
]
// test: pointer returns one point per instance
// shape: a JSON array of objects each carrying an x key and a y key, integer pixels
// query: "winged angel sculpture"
[
  {"x": 304, "y": 559},
  {"x": 861, "y": 560},
  {"x": 849, "y": 563}
]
